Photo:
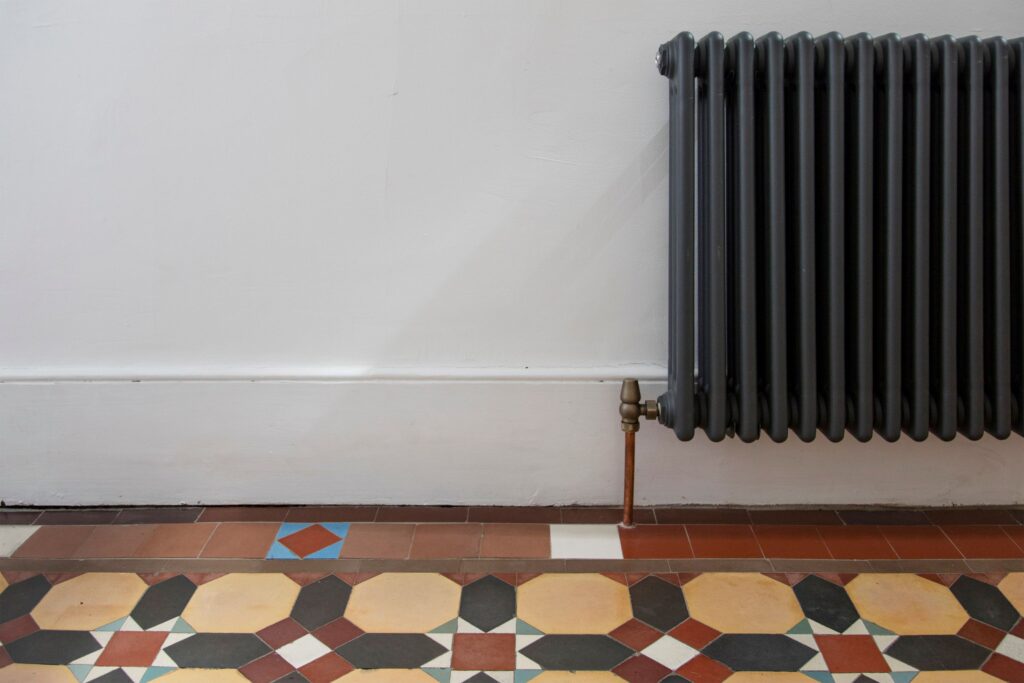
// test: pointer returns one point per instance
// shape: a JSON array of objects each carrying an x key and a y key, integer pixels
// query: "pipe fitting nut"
[{"x": 629, "y": 406}]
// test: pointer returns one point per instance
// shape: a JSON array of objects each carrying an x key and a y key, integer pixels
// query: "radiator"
[{"x": 846, "y": 236}]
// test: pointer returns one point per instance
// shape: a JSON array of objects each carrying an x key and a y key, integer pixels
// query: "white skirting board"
[{"x": 496, "y": 441}]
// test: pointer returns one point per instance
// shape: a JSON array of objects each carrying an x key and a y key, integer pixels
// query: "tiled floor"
[{"x": 511, "y": 628}]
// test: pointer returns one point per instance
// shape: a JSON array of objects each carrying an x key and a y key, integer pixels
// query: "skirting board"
[{"x": 500, "y": 441}]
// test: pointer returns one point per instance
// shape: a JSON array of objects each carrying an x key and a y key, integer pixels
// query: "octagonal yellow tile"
[
  {"x": 204, "y": 676},
  {"x": 1012, "y": 587},
  {"x": 907, "y": 604},
  {"x": 36, "y": 673},
  {"x": 3, "y": 583},
  {"x": 241, "y": 603},
  {"x": 574, "y": 603},
  {"x": 89, "y": 601},
  {"x": 403, "y": 603},
  {"x": 577, "y": 677},
  {"x": 768, "y": 677},
  {"x": 955, "y": 677},
  {"x": 742, "y": 603},
  {"x": 388, "y": 676}
]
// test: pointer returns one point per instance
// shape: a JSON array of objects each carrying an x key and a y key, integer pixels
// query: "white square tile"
[
  {"x": 585, "y": 541},
  {"x": 303, "y": 651},
  {"x": 670, "y": 652},
  {"x": 12, "y": 536},
  {"x": 1012, "y": 647}
]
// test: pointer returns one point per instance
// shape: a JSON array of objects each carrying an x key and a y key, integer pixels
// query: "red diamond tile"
[
  {"x": 484, "y": 651},
  {"x": 851, "y": 654},
  {"x": 309, "y": 540},
  {"x": 694, "y": 633},
  {"x": 1018, "y": 630},
  {"x": 17, "y": 628},
  {"x": 635, "y": 634},
  {"x": 982, "y": 634},
  {"x": 129, "y": 648},
  {"x": 281, "y": 633},
  {"x": 1004, "y": 668},
  {"x": 328, "y": 668},
  {"x": 703, "y": 669},
  {"x": 5, "y": 659},
  {"x": 641, "y": 669},
  {"x": 267, "y": 669},
  {"x": 337, "y": 633}
]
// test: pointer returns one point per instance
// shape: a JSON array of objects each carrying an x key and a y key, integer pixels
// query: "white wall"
[{"x": 367, "y": 251}]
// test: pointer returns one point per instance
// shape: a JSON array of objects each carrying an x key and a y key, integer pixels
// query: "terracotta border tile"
[
  {"x": 799, "y": 516},
  {"x": 19, "y": 516},
  {"x": 176, "y": 540},
  {"x": 516, "y": 515},
  {"x": 114, "y": 540},
  {"x": 605, "y": 515},
  {"x": 441, "y": 541},
  {"x": 422, "y": 513},
  {"x": 951, "y": 516},
  {"x": 861, "y": 542},
  {"x": 920, "y": 543},
  {"x": 983, "y": 542},
  {"x": 332, "y": 513},
  {"x": 656, "y": 541},
  {"x": 241, "y": 539},
  {"x": 378, "y": 541},
  {"x": 78, "y": 516},
  {"x": 723, "y": 541},
  {"x": 791, "y": 541},
  {"x": 899, "y": 516},
  {"x": 167, "y": 515},
  {"x": 702, "y": 515},
  {"x": 53, "y": 542},
  {"x": 508, "y": 540}
]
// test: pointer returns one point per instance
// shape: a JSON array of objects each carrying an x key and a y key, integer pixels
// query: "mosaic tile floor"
[{"x": 511, "y": 628}]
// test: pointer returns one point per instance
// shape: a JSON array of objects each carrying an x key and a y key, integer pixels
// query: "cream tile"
[
  {"x": 36, "y": 673},
  {"x": 742, "y": 603},
  {"x": 12, "y": 536},
  {"x": 574, "y": 603},
  {"x": 241, "y": 603},
  {"x": 1012, "y": 587},
  {"x": 89, "y": 601},
  {"x": 3, "y": 583},
  {"x": 1012, "y": 647},
  {"x": 585, "y": 541},
  {"x": 204, "y": 676},
  {"x": 907, "y": 604},
  {"x": 403, "y": 603},
  {"x": 669, "y": 652},
  {"x": 303, "y": 651}
]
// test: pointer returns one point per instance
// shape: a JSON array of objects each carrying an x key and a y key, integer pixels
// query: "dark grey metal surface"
[{"x": 846, "y": 236}]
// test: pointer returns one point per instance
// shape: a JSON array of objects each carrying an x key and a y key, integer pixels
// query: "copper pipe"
[{"x": 627, "y": 494}]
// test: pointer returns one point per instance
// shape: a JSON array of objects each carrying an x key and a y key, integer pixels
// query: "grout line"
[{"x": 952, "y": 542}]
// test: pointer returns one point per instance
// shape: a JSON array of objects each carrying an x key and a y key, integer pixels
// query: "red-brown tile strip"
[
  {"x": 951, "y": 516},
  {"x": 901, "y": 517},
  {"x": 244, "y": 514},
  {"x": 791, "y": 541},
  {"x": 594, "y": 515},
  {"x": 421, "y": 513},
  {"x": 983, "y": 542},
  {"x": 78, "y": 516},
  {"x": 862, "y": 542},
  {"x": 114, "y": 540},
  {"x": 723, "y": 541},
  {"x": 332, "y": 513},
  {"x": 241, "y": 539},
  {"x": 522, "y": 515},
  {"x": 920, "y": 543},
  {"x": 815, "y": 517},
  {"x": 165, "y": 515},
  {"x": 18, "y": 516},
  {"x": 388, "y": 541},
  {"x": 1018, "y": 514},
  {"x": 702, "y": 516},
  {"x": 655, "y": 541},
  {"x": 1016, "y": 533}
]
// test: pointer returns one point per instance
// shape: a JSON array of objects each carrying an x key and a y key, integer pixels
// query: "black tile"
[
  {"x": 985, "y": 602},
  {"x": 755, "y": 652},
  {"x": 826, "y": 603},
  {"x": 938, "y": 653},
  {"x": 391, "y": 650},
  {"x": 52, "y": 647},
  {"x": 163, "y": 601},
  {"x": 21, "y": 598},
  {"x": 321, "y": 602},
  {"x": 488, "y": 603},
  {"x": 115, "y": 676},
  {"x": 901, "y": 517},
  {"x": 577, "y": 652},
  {"x": 864, "y": 678},
  {"x": 674, "y": 678},
  {"x": 658, "y": 603},
  {"x": 293, "y": 677},
  {"x": 217, "y": 650},
  {"x": 481, "y": 678}
]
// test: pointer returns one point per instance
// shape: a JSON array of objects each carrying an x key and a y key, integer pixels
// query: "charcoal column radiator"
[{"x": 846, "y": 238}]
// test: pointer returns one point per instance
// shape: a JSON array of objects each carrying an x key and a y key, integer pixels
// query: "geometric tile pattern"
[{"x": 512, "y": 628}]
